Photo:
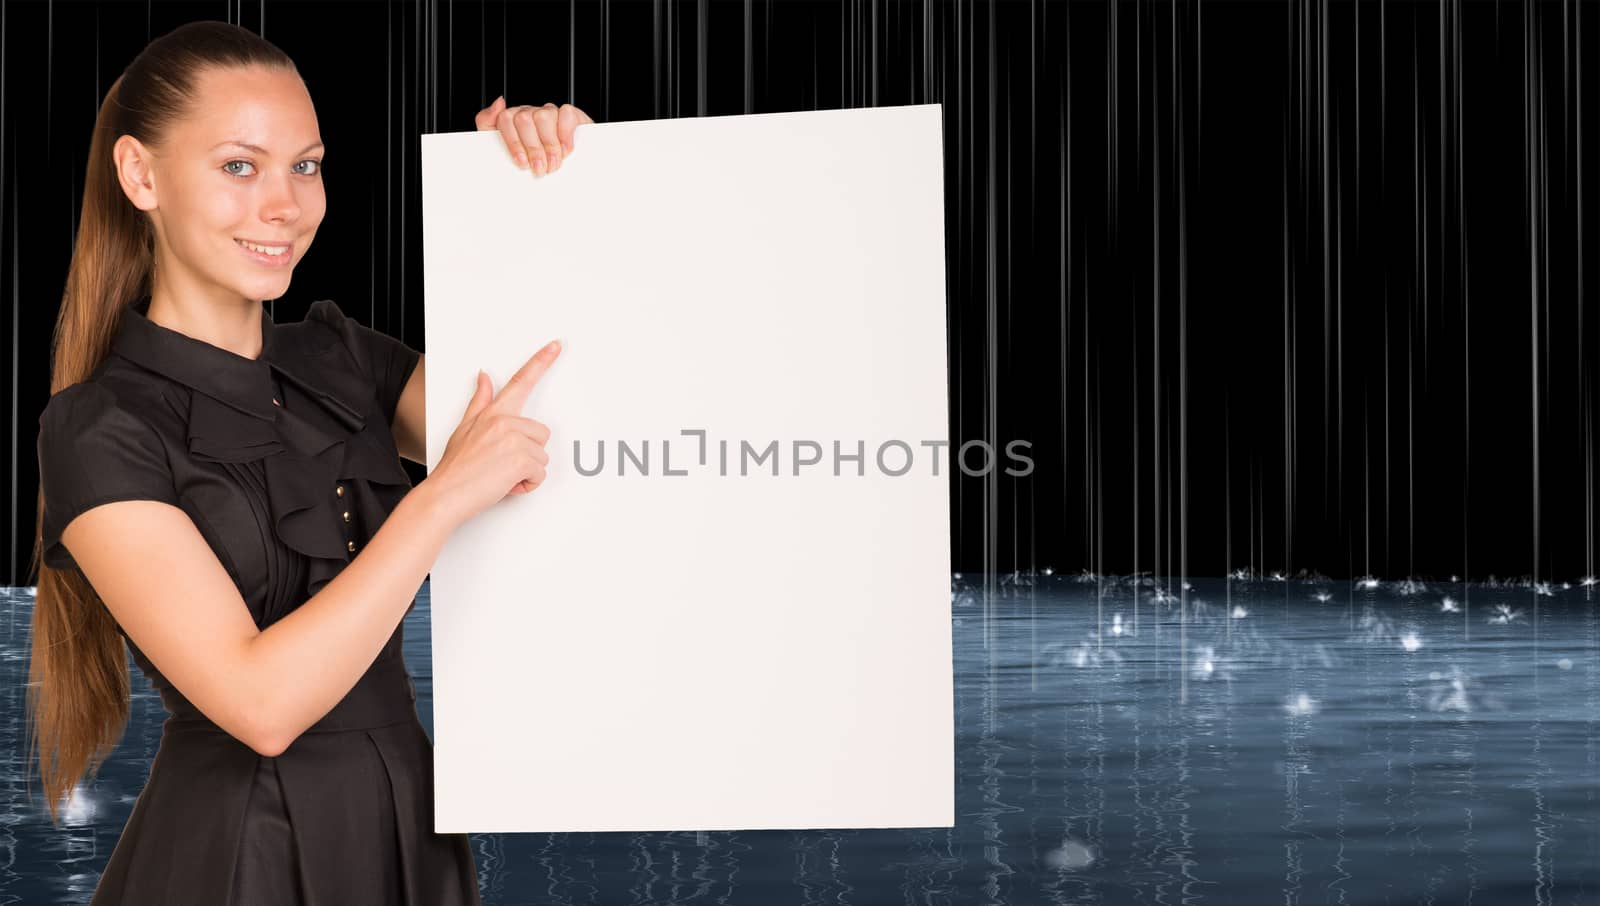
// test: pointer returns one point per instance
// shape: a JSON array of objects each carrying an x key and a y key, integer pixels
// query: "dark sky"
[{"x": 1297, "y": 286}]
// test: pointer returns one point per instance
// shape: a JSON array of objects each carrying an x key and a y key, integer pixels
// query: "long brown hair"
[{"x": 79, "y": 689}]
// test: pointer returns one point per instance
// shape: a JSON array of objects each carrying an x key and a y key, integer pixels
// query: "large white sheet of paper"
[{"x": 698, "y": 643}]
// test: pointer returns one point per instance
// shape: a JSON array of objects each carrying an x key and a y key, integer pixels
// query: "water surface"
[{"x": 1233, "y": 742}]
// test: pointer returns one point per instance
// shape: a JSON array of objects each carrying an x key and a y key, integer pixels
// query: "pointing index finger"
[{"x": 516, "y": 390}]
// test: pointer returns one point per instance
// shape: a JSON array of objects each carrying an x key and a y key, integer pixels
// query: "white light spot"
[
  {"x": 1300, "y": 705},
  {"x": 1070, "y": 856}
]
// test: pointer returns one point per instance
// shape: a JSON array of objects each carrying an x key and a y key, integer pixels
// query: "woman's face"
[{"x": 244, "y": 166}]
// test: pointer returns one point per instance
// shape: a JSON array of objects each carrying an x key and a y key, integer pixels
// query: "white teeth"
[{"x": 264, "y": 249}]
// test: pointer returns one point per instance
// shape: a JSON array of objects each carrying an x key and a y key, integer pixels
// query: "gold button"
[
  {"x": 350, "y": 545},
  {"x": 346, "y": 515},
  {"x": 338, "y": 490}
]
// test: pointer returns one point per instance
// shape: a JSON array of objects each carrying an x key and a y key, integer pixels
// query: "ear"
[{"x": 134, "y": 172}]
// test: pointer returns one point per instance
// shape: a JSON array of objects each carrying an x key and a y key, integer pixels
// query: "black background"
[{"x": 1297, "y": 286}]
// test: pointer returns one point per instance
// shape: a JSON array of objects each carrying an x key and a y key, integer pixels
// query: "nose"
[{"x": 278, "y": 202}]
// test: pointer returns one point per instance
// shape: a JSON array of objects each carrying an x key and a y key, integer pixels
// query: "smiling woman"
[
  {"x": 233, "y": 191},
  {"x": 223, "y": 495}
]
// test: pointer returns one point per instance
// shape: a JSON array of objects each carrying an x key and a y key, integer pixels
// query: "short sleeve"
[
  {"x": 91, "y": 451},
  {"x": 387, "y": 362}
]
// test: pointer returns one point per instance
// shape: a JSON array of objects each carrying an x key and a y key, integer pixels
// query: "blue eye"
[{"x": 316, "y": 164}]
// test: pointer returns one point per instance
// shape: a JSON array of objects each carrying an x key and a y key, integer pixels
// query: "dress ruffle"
[{"x": 327, "y": 433}]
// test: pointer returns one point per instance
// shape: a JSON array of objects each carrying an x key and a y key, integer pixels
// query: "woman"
[{"x": 212, "y": 490}]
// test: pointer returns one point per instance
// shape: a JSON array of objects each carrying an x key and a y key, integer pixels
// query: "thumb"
[
  {"x": 486, "y": 117},
  {"x": 482, "y": 395}
]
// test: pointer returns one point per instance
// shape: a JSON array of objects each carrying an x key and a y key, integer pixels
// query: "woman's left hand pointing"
[{"x": 537, "y": 137}]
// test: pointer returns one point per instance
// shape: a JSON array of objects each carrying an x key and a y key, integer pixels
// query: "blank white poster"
[{"x": 728, "y": 606}]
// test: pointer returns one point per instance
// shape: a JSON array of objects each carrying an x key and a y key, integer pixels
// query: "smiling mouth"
[{"x": 272, "y": 250}]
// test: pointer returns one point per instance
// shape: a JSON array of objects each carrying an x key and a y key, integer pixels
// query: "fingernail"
[
  {"x": 522, "y": 159},
  {"x": 538, "y": 166}
]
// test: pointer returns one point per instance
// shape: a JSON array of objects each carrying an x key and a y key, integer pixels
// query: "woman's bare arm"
[
  {"x": 410, "y": 416},
  {"x": 171, "y": 595}
]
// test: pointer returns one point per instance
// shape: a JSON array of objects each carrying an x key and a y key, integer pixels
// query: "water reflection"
[{"x": 1120, "y": 740}]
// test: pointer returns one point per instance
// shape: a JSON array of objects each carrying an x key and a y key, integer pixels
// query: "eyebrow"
[{"x": 260, "y": 150}]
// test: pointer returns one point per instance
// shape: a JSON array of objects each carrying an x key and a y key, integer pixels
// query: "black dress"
[{"x": 287, "y": 465}]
